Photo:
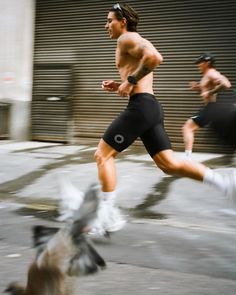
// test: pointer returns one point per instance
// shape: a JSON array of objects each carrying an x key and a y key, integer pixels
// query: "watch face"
[{"x": 132, "y": 80}]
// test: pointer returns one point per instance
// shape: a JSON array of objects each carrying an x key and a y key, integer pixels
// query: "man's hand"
[
  {"x": 206, "y": 94},
  {"x": 110, "y": 85},
  {"x": 125, "y": 89},
  {"x": 194, "y": 85}
]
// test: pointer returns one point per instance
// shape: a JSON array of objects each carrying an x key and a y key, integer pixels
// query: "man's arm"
[
  {"x": 110, "y": 85},
  {"x": 219, "y": 81},
  {"x": 195, "y": 86},
  {"x": 140, "y": 53},
  {"x": 149, "y": 58}
]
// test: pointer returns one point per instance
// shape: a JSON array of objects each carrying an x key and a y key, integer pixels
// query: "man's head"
[
  {"x": 121, "y": 18},
  {"x": 205, "y": 58},
  {"x": 127, "y": 12}
]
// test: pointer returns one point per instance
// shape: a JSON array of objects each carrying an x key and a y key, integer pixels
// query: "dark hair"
[
  {"x": 206, "y": 57},
  {"x": 126, "y": 11}
]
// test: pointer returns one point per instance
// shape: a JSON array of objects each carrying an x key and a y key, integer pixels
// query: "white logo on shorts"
[{"x": 119, "y": 138}]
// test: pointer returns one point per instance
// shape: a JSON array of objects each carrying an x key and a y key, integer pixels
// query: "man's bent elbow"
[
  {"x": 228, "y": 86},
  {"x": 157, "y": 59}
]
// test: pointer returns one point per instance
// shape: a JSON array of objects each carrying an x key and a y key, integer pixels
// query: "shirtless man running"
[
  {"x": 136, "y": 58},
  {"x": 211, "y": 82}
]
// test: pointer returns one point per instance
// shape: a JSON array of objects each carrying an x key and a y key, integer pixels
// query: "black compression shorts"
[
  {"x": 143, "y": 117},
  {"x": 204, "y": 116},
  {"x": 215, "y": 111}
]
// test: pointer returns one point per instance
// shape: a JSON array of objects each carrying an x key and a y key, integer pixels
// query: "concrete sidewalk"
[
  {"x": 29, "y": 168},
  {"x": 178, "y": 240},
  {"x": 118, "y": 278}
]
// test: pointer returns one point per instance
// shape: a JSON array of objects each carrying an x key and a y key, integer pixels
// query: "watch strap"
[{"x": 132, "y": 80}]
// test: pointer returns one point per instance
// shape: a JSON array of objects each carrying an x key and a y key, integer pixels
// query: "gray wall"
[{"x": 16, "y": 52}]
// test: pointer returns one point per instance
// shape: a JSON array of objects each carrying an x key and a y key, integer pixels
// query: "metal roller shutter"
[
  {"x": 72, "y": 32},
  {"x": 51, "y": 109}
]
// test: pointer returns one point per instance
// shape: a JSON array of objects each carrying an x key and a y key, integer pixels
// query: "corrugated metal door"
[
  {"x": 183, "y": 30},
  {"x": 72, "y": 32},
  {"x": 4, "y": 119},
  {"x": 51, "y": 109}
]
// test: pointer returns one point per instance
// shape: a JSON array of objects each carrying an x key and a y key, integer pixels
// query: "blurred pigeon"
[
  {"x": 62, "y": 252},
  {"x": 70, "y": 197}
]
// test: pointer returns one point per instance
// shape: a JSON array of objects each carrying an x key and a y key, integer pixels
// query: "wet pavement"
[{"x": 180, "y": 237}]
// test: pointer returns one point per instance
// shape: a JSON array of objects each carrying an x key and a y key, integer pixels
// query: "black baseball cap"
[{"x": 205, "y": 57}]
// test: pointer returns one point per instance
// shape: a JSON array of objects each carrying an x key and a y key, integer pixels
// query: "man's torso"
[
  {"x": 127, "y": 64},
  {"x": 207, "y": 84}
]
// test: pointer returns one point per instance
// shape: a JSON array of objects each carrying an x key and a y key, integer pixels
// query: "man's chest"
[
  {"x": 206, "y": 83},
  {"x": 125, "y": 61}
]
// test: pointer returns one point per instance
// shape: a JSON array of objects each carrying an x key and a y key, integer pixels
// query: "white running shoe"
[
  {"x": 109, "y": 219},
  {"x": 115, "y": 220},
  {"x": 97, "y": 227}
]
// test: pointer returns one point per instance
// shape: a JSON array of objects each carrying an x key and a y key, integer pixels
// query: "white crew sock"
[
  {"x": 109, "y": 197},
  {"x": 188, "y": 153},
  {"x": 215, "y": 179}
]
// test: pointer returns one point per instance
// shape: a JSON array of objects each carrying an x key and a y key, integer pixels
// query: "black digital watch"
[{"x": 132, "y": 80}]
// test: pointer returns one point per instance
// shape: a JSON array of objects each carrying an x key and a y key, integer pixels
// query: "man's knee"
[
  {"x": 98, "y": 156},
  {"x": 166, "y": 161},
  {"x": 101, "y": 157},
  {"x": 169, "y": 168},
  {"x": 190, "y": 126},
  {"x": 187, "y": 127}
]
